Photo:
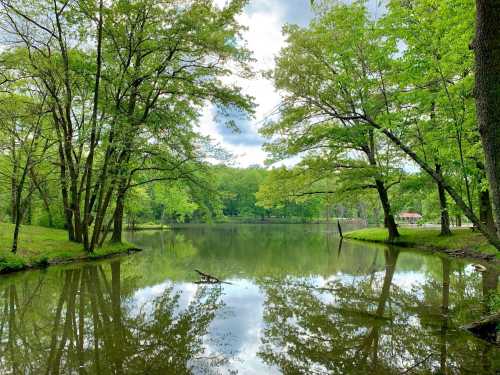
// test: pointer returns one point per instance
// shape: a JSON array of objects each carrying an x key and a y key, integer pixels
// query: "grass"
[
  {"x": 462, "y": 240},
  {"x": 40, "y": 247}
]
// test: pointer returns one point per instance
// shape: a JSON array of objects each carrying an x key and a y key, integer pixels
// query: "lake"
[{"x": 295, "y": 302}]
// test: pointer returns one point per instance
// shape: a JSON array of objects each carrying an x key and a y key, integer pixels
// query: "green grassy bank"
[
  {"x": 39, "y": 247},
  {"x": 463, "y": 242}
]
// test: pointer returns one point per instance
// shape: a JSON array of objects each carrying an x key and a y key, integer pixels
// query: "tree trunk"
[
  {"x": 68, "y": 214},
  {"x": 13, "y": 182},
  {"x": 19, "y": 206},
  {"x": 75, "y": 208},
  {"x": 485, "y": 210},
  {"x": 18, "y": 215},
  {"x": 99, "y": 220},
  {"x": 389, "y": 221},
  {"x": 458, "y": 220},
  {"x": 15, "y": 238},
  {"x": 445, "y": 217},
  {"x": 87, "y": 214},
  {"x": 118, "y": 216},
  {"x": 487, "y": 93}
]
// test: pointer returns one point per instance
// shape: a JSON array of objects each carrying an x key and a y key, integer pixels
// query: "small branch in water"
[
  {"x": 205, "y": 278},
  {"x": 340, "y": 229}
]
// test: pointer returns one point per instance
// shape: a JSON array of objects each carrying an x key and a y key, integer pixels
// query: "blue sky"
[{"x": 264, "y": 20}]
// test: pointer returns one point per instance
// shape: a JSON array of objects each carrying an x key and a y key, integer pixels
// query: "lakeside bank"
[
  {"x": 463, "y": 243},
  {"x": 40, "y": 247}
]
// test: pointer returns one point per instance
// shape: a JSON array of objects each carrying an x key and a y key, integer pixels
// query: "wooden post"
[{"x": 340, "y": 229}]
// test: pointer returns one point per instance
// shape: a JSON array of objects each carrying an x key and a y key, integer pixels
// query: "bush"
[{"x": 11, "y": 263}]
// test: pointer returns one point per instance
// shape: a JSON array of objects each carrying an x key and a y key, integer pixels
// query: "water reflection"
[
  {"x": 298, "y": 303},
  {"x": 372, "y": 325},
  {"x": 81, "y": 321}
]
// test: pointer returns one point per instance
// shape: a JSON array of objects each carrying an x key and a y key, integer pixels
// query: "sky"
[{"x": 264, "y": 20}]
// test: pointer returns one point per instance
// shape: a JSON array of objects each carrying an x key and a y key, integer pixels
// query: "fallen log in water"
[
  {"x": 487, "y": 328},
  {"x": 205, "y": 278}
]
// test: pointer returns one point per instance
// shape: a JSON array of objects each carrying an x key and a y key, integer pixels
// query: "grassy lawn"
[
  {"x": 461, "y": 239},
  {"x": 39, "y": 246}
]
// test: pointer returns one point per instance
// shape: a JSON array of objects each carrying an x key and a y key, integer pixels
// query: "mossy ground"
[
  {"x": 39, "y": 247},
  {"x": 463, "y": 239}
]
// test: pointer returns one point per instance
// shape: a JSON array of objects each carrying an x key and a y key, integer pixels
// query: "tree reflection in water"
[
  {"x": 88, "y": 328},
  {"x": 369, "y": 325}
]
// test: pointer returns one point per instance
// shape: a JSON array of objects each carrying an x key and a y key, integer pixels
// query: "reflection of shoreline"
[
  {"x": 371, "y": 325},
  {"x": 384, "y": 308},
  {"x": 128, "y": 250},
  {"x": 87, "y": 326}
]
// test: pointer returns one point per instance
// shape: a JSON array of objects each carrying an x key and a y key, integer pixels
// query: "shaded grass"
[
  {"x": 461, "y": 239},
  {"x": 40, "y": 247}
]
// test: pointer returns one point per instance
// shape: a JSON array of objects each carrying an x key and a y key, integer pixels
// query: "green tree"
[
  {"x": 371, "y": 89},
  {"x": 124, "y": 82},
  {"x": 325, "y": 66}
]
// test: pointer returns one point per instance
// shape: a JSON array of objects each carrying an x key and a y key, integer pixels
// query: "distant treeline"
[{"x": 239, "y": 195}]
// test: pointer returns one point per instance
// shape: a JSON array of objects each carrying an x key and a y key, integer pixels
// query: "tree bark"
[
  {"x": 443, "y": 206},
  {"x": 19, "y": 206},
  {"x": 485, "y": 211},
  {"x": 487, "y": 93},
  {"x": 13, "y": 181},
  {"x": 87, "y": 215},
  {"x": 389, "y": 221},
  {"x": 68, "y": 213},
  {"x": 118, "y": 216}
]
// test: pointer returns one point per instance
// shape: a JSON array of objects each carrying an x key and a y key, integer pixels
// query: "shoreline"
[
  {"x": 41, "y": 247},
  {"x": 42, "y": 263},
  {"x": 462, "y": 243}
]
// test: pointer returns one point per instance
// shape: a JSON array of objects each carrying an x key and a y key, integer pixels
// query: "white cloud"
[{"x": 264, "y": 20}]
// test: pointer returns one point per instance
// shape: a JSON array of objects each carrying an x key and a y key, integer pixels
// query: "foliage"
[{"x": 118, "y": 88}]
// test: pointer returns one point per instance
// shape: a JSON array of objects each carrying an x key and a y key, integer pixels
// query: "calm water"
[{"x": 296, "y": 304}]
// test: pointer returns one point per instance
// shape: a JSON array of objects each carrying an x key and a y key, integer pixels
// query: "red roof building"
[{"x": 409, "y": 217}]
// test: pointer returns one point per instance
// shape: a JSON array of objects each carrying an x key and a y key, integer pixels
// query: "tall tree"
[
  {"x": 143, "y": 70},
  {"x": 375, "y": 97},
  {"x": 322, "y": 73},
  {"x": 486, "y": 46}
]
